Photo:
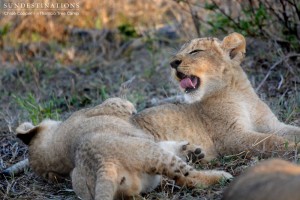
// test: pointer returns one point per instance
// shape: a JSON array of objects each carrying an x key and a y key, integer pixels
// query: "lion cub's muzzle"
[{"x": 189, "y": 83}]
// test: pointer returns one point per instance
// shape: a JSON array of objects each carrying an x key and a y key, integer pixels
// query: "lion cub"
[
  {"x": 107, "y": 156},
  {"x": 269, "y": 180},
  {"x": 223, "y": 114}
]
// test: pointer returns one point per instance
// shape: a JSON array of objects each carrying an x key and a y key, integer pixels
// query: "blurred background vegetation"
[{"x": 53, "y": 65}]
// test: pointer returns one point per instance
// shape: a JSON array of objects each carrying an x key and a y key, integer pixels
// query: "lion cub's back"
[{"x": 167, "y": 121}]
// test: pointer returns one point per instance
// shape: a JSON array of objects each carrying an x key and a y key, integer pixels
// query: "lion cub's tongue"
[{"x": 187, "y": 83}]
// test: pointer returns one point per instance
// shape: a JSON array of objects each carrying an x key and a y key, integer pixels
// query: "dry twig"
[{"x": 273, "y": 67}]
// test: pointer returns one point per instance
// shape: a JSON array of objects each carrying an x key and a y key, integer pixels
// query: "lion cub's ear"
[
  {"x": 235, "y": 45},
  {"x": 26, "y": 132}
]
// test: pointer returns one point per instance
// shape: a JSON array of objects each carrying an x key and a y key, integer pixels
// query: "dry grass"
[
  {"x": 52, "y": 73},
  {"x": 143, "y": 15}
]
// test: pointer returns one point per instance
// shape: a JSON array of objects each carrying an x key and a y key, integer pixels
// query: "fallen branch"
[{"x": 16, "y": 168}]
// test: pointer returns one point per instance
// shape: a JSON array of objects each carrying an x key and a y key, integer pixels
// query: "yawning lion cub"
[
  {"x": 109, "y": 157},
  {"x": 223, "y": 114}
]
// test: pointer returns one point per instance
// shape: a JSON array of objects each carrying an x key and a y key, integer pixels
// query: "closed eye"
[{"x": 195, "y": 51}]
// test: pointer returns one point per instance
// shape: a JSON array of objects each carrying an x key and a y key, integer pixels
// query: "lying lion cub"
[
  {"x": 269, "y": 180},
  {"x": 224, "y": 115},
  {"x": 109, "y": 157}
]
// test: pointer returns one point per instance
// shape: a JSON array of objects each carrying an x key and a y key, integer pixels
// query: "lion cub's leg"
[
  {"x": 93, "y": 178},
  {"x": 152, "y": 160},
  {"x": 183, "y": 149},
  {"x": 102, "y": 183},
  {"x": 166, "y": 162},
  {"x": 269, "y": 123},
  {"x": 108, "y": 182},
  {"x": 127, "y": 166},
  {"x": 83, "y": 183},
  {"x": 292, "y": 133},
  {"x": 253, "y": 143}
]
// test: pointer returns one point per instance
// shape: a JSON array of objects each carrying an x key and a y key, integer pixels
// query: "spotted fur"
[{"x": 108, "y": 157}]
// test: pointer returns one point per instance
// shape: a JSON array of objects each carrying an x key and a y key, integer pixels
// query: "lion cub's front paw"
[{"x": 190, "y": 152}]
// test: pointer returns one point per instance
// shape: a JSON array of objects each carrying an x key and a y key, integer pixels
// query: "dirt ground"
[
  {"x": 64, "y": 78},
  {"x": 52, "y": 78}
]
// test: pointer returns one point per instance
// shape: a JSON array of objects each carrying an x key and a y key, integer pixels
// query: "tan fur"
[
  {"x": 107, "y": 156},
  {"x": 272, "y": 179},
  {"x": 224, "y": 115}
]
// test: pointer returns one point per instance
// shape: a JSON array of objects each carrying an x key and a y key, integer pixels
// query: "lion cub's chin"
[{"x": 194, "y": 96}]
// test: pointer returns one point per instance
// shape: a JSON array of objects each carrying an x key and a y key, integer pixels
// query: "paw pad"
[
  {"x": 190, "y": 152},
  {"x": 195, "y": 155}
]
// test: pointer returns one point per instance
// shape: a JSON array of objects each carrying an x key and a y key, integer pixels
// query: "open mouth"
[{"x": 189, "y": 83}]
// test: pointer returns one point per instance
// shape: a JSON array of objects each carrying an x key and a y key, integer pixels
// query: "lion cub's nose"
[{"x": 174, "y": 64}]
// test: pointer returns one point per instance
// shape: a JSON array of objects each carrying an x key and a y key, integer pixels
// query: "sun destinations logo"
[{"x": 15, "y": 7}]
